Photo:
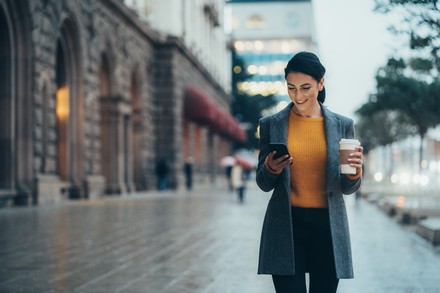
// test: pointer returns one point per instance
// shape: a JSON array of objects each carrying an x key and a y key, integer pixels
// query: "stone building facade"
[{"x": 91, "y": 97}]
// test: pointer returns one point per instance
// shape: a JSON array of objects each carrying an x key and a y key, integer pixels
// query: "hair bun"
[{"x": 307, "y": 63}]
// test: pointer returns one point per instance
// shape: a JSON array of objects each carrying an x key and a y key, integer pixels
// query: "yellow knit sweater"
[{"x": 307, "y": 147}]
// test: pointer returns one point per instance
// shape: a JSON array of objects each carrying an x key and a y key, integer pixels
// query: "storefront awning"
[
  {"x": 201, "y": 109},
  {"x": 198, "y": 107},
  {"x": 223, "y": 123},
  {"x": 228, "y": 126}
]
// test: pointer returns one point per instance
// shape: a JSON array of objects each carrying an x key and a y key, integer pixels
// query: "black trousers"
[{"x": 313, "y": 254}]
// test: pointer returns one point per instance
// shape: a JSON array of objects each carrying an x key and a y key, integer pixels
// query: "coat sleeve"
[
  {"x": 349, "y": 186},
  {"x": 265, "y": 179}
]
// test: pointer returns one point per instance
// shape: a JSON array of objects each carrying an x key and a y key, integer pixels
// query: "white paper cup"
[{"x": 346, "y": 147}]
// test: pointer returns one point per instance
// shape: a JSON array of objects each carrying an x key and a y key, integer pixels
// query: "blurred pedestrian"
[
  {"x": 188, "y": 170},
  {"x": 238, "y": 181},
  {"x": 162, "y": 170},
  {"x": 228, "y": 173},
  {"x": 306, "y": 228}
]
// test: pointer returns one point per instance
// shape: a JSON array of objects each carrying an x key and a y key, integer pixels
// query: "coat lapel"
[
  {"x": 278, "y": 134},
  {"x": 332, "y": 135},
  {"x": 278, "y": 125}
]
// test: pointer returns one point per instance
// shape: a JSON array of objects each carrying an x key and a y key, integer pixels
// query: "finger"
[
  {"x": 282, "y": 164},
  {"x": 289, "y": 162},
  {"x": 356, "y": 155},
  {"x": 354, "y": 158},
  {"x": 270, "y": 155},
  {"x": 281, "y": 159},
  {"x": 356, "y": 161},
  {"x": 286, "y": 162}
]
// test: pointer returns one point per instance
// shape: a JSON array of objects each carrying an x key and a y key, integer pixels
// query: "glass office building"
[{"x": 265, "y": 35}]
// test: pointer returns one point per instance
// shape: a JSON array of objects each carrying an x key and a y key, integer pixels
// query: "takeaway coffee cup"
[{"x": 346, "y": 147}]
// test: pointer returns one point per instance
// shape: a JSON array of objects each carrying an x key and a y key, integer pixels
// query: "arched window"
[
  {"x": 69, "y": 104},
  {"x": 62, "y": 113}
]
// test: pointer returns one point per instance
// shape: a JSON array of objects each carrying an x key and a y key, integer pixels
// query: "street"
[{"x": 200, "y": 241}]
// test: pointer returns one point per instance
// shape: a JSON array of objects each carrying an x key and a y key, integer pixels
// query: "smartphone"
[{"x": 280, "y": 148}]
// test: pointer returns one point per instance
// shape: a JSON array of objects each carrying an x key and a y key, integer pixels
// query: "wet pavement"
[
  {"x": 204, "y": 241},
  {"x": 387, "y": 256}
]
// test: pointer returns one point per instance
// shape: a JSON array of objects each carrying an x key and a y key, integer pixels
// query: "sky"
[{"x": 353, "y": 42}]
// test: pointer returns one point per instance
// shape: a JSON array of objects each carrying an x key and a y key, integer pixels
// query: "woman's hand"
[
  {"x": 357, "y": 159},
  {"x": 277, "y": 165}
]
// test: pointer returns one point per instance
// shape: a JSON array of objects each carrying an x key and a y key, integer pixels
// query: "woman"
[
  {"x": 305, "y": 228},
  {"x": 237, "y": 181}
]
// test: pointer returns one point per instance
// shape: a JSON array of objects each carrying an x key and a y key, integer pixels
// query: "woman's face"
[{"x": 303, "y": 91}]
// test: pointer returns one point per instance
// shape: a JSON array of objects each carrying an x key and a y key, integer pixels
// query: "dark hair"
[{"x": 307, "y": 63}]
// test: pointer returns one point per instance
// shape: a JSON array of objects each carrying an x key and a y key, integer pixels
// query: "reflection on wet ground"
[{"x": 180, "y": 242}]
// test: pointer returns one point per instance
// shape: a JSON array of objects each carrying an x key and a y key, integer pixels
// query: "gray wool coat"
[{"x": 276, "y": 247}]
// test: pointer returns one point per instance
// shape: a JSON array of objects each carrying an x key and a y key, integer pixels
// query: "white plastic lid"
[{"x": 350, "y": 141}]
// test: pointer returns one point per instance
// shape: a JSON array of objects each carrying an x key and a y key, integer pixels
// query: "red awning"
[
  {"x": 228, "y": 126},
  {"x": 221, "y": 122},
  {"x": 198, "y": 107}
]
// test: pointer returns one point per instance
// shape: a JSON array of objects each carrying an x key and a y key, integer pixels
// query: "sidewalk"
[
  {"x": 410, "y": 207},
  {"x": 187, "y": 242},
  {"x": 388, "y": 257}
]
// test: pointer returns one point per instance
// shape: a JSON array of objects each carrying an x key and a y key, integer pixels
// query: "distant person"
[
  {"x": 306, "y": 226},
  {"x": 162, "y": 170},
  {"x": 238, "y": 181},
  {"x": 188, "y": 171},
  {"x": 228, "y": 173}
]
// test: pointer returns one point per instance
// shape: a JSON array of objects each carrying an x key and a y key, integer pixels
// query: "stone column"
[
  {"x": 125, "y": 176},
  {"x": 128, "y": 152}
]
